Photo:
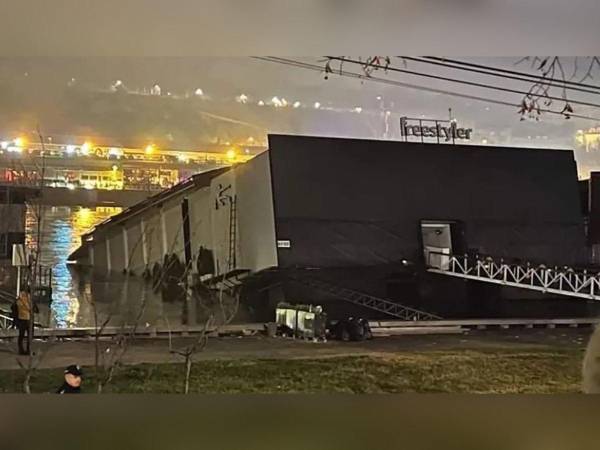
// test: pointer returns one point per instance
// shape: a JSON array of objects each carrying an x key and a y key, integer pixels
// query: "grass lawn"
[{"x": 466, "y": 371}]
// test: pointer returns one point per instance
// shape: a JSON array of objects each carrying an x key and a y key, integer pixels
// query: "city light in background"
[
  {"x": 238, "y": 121},
  {"x": 85, "y": 148},
  {"x": 142, "y": 168},
  {"x": 236, "y": 111}
]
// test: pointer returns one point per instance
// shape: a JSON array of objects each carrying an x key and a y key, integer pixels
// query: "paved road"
[{"x": 157, "y": 350}]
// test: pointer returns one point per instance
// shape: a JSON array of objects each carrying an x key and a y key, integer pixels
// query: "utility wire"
[
  {"x": 455, "y": 80},
  {"x": 362, "y": 77},
  {"x": 512, "y": 72},
  {"x": 532, "y": 78}
]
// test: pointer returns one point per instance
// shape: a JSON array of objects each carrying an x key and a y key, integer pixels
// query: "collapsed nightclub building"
[{"x": 347, "y": 223}]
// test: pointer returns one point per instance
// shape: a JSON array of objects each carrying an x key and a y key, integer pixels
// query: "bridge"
[
  {"x": 88, "y": 175},
  {"x": 111, "y": 168}
]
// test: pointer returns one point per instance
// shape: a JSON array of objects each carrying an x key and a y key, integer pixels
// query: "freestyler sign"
[{"x": 446, "y": 130}]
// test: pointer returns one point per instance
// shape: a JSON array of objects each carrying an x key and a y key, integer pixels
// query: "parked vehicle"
[{"x": 350, "y": 329}]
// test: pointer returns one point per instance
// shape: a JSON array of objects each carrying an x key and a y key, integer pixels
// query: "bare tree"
[
  {"x": 108, "y": 358},
  {"x": 554, "y": 76},
  {"x": 219, "y": 307},
  {"x": 550, "y": 84},
  {"x": 224, "y": 303},
  {"x": 189, "y": 351},
  {"x": 29, "y": 364}
]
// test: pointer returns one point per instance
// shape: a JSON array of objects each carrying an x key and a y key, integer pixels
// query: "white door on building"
[{"x": 437, "y": 242}]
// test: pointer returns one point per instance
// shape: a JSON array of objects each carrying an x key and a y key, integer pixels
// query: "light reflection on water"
[{"x": 62, "y": 228}]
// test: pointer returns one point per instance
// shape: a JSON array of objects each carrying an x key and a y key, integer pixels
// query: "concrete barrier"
[
  {"x": 486, "y": 323},
  {"x": 179, "y": 330},
  {"x": 400, "y": 331}
]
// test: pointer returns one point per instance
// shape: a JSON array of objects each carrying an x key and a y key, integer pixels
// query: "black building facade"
[{"x": 356, "y": 212}]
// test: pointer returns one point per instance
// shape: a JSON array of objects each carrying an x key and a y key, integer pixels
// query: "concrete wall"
[
  {"x": 117, "y": 250},
  {"x": 209, "y": 218},
  {"x": 135, "y": 247},
  {"x": 153, "y": 236},
  {"x": 174, "y": 228},
  {"x": 256, "y": 221},
  {"x": 100, "y": 261},
  {"x": 200, "y": 220},
  {"x": 163, "y": 230}
]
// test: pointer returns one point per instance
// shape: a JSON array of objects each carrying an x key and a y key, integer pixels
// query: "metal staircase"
[
  {"x": 368, "y": 301},
  {"x": 7, "y": 296},
  {"x": 554, "y": 280},
  {"x": 227, "y": 281}
]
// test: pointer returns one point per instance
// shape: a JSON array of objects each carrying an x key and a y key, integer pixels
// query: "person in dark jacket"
[{"x": 73, "y": 379}]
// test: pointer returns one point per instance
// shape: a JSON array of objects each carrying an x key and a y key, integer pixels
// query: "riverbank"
[{"x": 529, "y": 362}]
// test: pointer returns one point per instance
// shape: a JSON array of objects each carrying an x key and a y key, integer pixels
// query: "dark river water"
[{"x": 75, "y": 290}]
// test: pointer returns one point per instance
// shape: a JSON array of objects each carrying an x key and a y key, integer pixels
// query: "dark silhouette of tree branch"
[
  {"x": 551, "y": 77},
  {"x": 551, "y": 68}
]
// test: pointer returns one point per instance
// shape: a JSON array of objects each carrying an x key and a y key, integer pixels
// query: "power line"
[
  {"x": 511, "y": 72},
  {"x": 489, "y": 71},
  {"x": 362, "y": 77},
  {"x": 455, "y": 80}
]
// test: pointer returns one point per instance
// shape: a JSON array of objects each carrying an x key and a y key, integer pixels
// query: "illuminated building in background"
[
  {"x": 20, "y": 142},
  {"x": 87, "y": 165},
  {"x": 587, "y": 151},
  {"x": 589, "y": 139},
  {"x": 85, "y": 148}
]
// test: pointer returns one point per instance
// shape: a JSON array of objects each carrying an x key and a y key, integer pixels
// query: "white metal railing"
[
  {"x": 555, "y": 280},
  {"x": 5, "y": 321}
]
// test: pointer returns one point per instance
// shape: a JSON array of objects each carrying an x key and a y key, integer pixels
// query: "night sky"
[
  {"x": 109, "y": 99},
  {"x": 83, "y": 69}
]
